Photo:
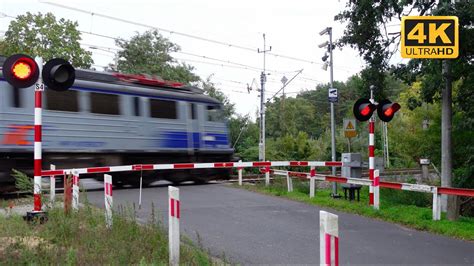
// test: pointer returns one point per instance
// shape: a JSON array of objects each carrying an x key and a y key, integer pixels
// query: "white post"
[
  {"x": 173, "y": 225},
  {"x": 312, "y": 182},
  {"x": 267, "y": 175},
  {"x": 141, "y": 187},
  {"x": 239, "y": 169},
  {"x": 376, "y": 185},
  {"x": 436, "y": 205},
  {"x": 52, "y": 187},
  {"x": 289, "y": 182},
  {"x": 75, "y": 190},
  {"x": 108, "y": 200},
  {"x": 328, "y": 239}
]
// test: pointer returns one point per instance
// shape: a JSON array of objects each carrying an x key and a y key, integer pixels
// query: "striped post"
[
  {"x": 108, "y": 200},
  {"x": 289, "y": 182},
  {"x": 376, "y": 185},
  {"x": 267, "y": 175},
  {"x": 371, "y": 158},
  {"x": 52, "y": 187},
  {"x": 328, "y": 239},
  {"x": 312, "y": 181},
  {"x": 37, "y": 138},
  {"x": 239, "y": 170},
  {"x": 436, "y": 205},
  {"x": 173, "y": 225},
  {"x": 75, "y": 190}
]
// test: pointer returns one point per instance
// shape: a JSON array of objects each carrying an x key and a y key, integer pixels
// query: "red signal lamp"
[
  {"x": 363, "y": 109},
  {"x": 386, "y": 110},
  {"x": 20, "y": 70}
]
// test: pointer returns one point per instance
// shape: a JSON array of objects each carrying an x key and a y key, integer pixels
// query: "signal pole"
[{"x": 263, "y": 79}]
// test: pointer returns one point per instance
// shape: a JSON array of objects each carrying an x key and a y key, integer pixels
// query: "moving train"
[{"x": 108, "y": 119}]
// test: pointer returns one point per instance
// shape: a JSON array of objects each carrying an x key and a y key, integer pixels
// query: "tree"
[
  {"x": 149, "y": 53},
  {"x": 43, "y": 35}
]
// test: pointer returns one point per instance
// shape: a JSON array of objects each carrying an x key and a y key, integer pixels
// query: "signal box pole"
[{"x": 371, "y": 149}]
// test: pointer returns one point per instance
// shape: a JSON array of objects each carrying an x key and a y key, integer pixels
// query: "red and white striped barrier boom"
[
  {"x": 328, "y": 239},
  {"x": 173, "y": 225},
  {"x": 149, "y": 167},
  {"x": 108, "y": 200}
]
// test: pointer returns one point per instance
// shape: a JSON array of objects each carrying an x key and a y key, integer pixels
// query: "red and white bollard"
[
  {"x": 108, "y": 200},
  {"x": 239, "y": 170},
  {"x": 312, "y": 182},
  {"x": 371, "y": 157},
  {"x": 75, "y": 190},
  {"x": 267, "y": 175},
  {"x": 52, "y": 187},
  {"x": 289, "y": 181},
  {"x": 173, "y": 225},
  {"x": 328, "y": 239},
  {"x": 436, "y": 205},
  {"x": 376, "y": 184}
]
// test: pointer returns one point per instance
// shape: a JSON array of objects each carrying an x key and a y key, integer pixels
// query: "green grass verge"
[
  {"x": 81, "y": 238},
  {"x": 411, "y": 209}
]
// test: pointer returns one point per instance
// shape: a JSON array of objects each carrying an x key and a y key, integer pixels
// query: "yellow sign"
[
  {"x": 430, "y": 37},
  {"x": 349, "y": 128}
]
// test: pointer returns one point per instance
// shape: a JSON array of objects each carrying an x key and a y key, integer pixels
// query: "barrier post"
[
  {"x": 173, "y": 225},
  {"x": 67, "y": 193},
  {"x": 52, "y": 187},
  {"x": 436, "y": 205},
  {"x": 328, "y": 239},
  {"x": 289, "y": 182},
  {"x": 267, "y": 175},
  {"x": 38, "y": 139},
  {"x": 239, "y": 169},
  {"x": 376, "y": 185},
  {"x": 140, "y": 192},
  {"x": 312, "y": 182},
  {"x": 108, "y": 200},
  {"x": 75, "y": 190},
  {"x": 371, "y": 157}
]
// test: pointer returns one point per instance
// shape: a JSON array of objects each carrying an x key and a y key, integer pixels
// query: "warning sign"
[
  {"x": 430, "y": 37},
  {"x": 350, "y": 128}
]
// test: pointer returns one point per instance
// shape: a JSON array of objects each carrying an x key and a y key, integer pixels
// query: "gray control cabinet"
[{"x": 353, "y": 165}]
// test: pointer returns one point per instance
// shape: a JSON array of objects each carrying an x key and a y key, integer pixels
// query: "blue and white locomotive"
[{"x": 110, "y": 119}]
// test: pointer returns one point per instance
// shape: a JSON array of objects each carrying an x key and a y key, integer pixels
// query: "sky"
[{"x": 291, "y": 29}]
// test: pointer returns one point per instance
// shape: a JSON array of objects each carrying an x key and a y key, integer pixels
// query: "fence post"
[
  {"x": 108, "y": 199},
  {"x": 312, "y": 181},
  {"x": 52, "y": 187},
  {"x": 67, "y": 193},
  {"x": 328, "y": 239},
  {"x": 75, "y": 190},
  {"x": 436, "y": 205},
  {"x": 289, "y": 181},
  {"x": 376, "y": 185},
  {"x": 239, "y": 169},
  {"x": 267, "y": 175},
  {"x": 173, "y": 225}
]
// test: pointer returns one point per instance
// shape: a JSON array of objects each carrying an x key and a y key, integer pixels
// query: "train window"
[
  {"x": 66, "y": 101},
  {"x": 163, "y": 109},
  {"x": 16, "y": 99},
  {"x": 107, "y": 104},
  {"x": 136, "y": 106},
  {"x": 214, "y": 113},
  {"x": 192, "y": 111}
]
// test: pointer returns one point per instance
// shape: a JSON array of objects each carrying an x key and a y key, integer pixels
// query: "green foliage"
[
  {"x": 210, "y": 89},
  {"x": 149, "y": 53},
  {"x": 22, "y": 181},
  {"x": 43, "y": 35}
]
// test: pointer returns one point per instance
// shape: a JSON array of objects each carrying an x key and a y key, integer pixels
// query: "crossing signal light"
[
  {"x": 58, "y": 74},
  {"x": 20, "y": 70},
  {"x": 363, "y": 109},
  {"x": 386, "y": 110}
]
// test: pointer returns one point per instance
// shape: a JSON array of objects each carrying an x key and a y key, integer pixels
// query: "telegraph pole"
[{"x": 263, "y": 79}]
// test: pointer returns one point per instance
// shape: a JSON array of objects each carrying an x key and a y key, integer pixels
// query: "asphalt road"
[{"x": 250, "y": 228}]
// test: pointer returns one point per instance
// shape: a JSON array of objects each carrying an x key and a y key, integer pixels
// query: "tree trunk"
[{"x": 446, "y": 144}]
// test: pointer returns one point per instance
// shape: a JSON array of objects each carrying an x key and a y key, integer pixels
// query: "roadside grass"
[
  {"x": 81, "y": 238},
  {"x": 411, "y": 209}
]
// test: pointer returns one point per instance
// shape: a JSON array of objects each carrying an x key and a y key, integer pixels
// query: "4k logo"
[{"x": 430, "y": 37}]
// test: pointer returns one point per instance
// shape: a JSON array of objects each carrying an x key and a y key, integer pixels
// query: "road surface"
[{"x": 251, "y": 228}]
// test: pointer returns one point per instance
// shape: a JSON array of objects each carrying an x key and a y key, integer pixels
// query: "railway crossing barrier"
[{"x": 328, "y": 239}]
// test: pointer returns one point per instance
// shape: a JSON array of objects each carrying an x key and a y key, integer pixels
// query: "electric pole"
[{"x": 263, "y": 79}]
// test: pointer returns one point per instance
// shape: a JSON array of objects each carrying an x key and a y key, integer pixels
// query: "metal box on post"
[{"x": 352, "y": 165}]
